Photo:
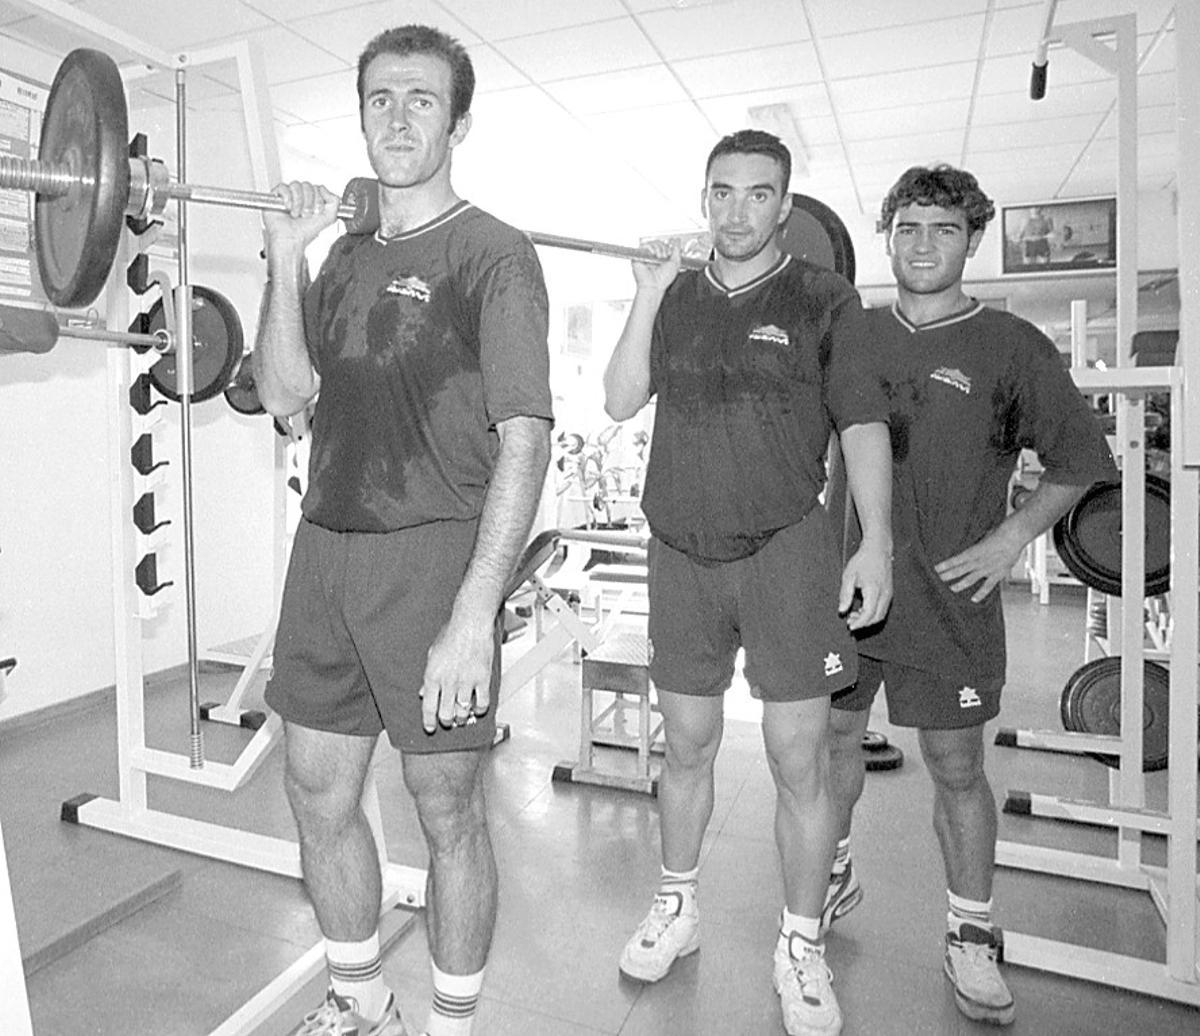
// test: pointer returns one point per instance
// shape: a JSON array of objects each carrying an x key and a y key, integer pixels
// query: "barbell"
[{"x": 86, "y": 184}]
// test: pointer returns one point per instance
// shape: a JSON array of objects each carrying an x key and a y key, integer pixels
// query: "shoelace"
[
  {"x": 812, "y": 975},
  {"x": 658, "y": 920},
  {"x": 325, "y": 1019}
]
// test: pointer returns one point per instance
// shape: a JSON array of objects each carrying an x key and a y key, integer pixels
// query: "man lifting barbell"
[
  {"x": 969, "y": 387},
  {"x": 428, "y": 343}
]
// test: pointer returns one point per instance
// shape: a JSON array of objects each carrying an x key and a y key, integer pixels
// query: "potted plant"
[{"x": 590, "y": 468}]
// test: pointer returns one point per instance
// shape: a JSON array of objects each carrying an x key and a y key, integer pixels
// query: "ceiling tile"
[
  {"x": 693, "y": 31},
  {"x": 319, "y": 98},
  {"x": 186, "y": 25},
  {"x": 809, "y": 103},
  {"x": 1061, "y": 100},
  {"x": 902, "y": 47},
  {"x": 287, "y": 57},
  {"x": 581, "y": 51},
  {"x": 906, "y": 150},
  {"x": 1003, "y": 74},
  {"x": 834, "y": 17},
  {"x": 618, "y": 91},
  {"x": 502, "y": 20},
  {"x": 1077, "y": 128},
  {"x": 927, "y": 118},
  {"x": 493, "y": 71},
  {"x": 787, "y": 65},
  {"x": 1016, "y": 30},
  {"x": 346, "y": 36},
  {"x": 900, "y": 89},
  {"x": 1150, "y": 13}
]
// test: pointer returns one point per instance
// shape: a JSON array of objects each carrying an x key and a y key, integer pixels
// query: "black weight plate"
[
  {"x": 85, "y": 129},
  {"x": 1091, "y": 704},
  {"x": 216, "y": 346},
  {"x": 889, "y": 758},
  {"x": 1088, "y": 537},
  {"x": 242, "y": 393},
  {"x": 815, "y": 233},
  {"x": 873, "y": 741}
]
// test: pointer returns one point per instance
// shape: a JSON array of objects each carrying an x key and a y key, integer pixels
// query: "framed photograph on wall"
[{"x": 1072, "y": 236}]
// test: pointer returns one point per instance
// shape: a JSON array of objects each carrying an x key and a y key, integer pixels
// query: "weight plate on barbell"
[
  {"x": 1088, "y": 537},
  {"x": 815, "y": 233},
  {"x": 1091, "y": 704},
  {"x": 242, "y": 392},
  {"x": 86, "y": 129},
  {"x": 216, "y": 346}
]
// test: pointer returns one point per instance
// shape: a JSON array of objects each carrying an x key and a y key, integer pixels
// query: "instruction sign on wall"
[{"x": 22, "y": 103}]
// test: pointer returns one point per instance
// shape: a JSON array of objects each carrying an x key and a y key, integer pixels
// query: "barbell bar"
[
  {"x": 86, "y": 184},
  {"x": 38, "y": 331}
]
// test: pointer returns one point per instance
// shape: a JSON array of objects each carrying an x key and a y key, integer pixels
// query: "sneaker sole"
[
  {"x": 976, "y": 1011},
  {"x": 631, "y": 970},
  {"x": 841, "y": 909}
]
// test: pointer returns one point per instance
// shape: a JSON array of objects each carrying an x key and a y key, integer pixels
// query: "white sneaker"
[
  {"x": 337, "y": 1017},
  {"x": 669, "y": 931},
  {"x": 843, "y": 895},
  {"x": 804, "y": 984},
  {"x": 970, "y": 964}
]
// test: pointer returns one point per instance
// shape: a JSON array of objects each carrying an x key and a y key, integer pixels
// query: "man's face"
[
  {"x": 406, "y": 118},
  {"x": 929, "y": 246},
  {"x": 745, "y": 203}
]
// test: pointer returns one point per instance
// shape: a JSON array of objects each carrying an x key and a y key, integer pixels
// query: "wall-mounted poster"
[{"x": 1060, "y": 236}]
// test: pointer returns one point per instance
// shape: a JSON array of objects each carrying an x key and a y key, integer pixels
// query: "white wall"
[{"x": 56, "y": 612}]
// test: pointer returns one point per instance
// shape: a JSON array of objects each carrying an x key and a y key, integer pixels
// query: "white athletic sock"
[
  {"x": 841, "y": 856},
  {"x": 356, "y": 973},
  {"x": 685, "y": 883},
  {"x": 455, "y": 998},
  {"x": 808, "y": 928},
  {"x": 974, "y": 911}
]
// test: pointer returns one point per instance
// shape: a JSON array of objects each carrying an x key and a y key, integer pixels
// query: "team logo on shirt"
[
  {"x": 968, "y": 698},
  {"x": 953, "y": 376},
  {"x": 833, "y": 664},
  {"x": 413, "y": 287},
  {"x": 770, "y": 333}
]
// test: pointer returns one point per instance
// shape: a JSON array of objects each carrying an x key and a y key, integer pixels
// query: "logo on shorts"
[
  {"x": 953, "y": 376},
  {"x": 769, "y": 333},
  {"x": 413, "y": 287},
  {"x": 968, "y": 698},
  {"x": 833, "y": 664}
]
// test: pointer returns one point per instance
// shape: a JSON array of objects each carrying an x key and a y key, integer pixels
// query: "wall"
[{"x": 56, "y": 612}]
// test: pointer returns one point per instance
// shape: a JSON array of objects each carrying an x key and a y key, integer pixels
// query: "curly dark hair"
[
  {"x": 941, "y": 185},
  {"x": 423, "y": 39},
  {"x": 753, "y": 142}
]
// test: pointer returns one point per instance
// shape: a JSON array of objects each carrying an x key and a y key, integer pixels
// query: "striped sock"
[
  {"x": 455, "y": 998},
  {"x": 972, "y": 911},
  {"x": 356, "y": 973},
  {"x": 841, "y": 856},
  {"x": 683, "y": 883}
]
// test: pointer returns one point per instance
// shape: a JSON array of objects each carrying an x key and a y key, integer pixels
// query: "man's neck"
[
  {"x": 928, "y": 309},
  {"x": 733, "y": 273},
  {"x": 402, "y": 209}
]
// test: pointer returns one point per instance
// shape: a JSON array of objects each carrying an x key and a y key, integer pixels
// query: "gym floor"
[{"x": 578, "y": 865}]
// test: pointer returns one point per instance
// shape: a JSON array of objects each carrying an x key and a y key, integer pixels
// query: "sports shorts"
[
  {"x": 359, "y": 613},
  {"x": 919, "y": 699},
  {"x": 779, "y": 604}
]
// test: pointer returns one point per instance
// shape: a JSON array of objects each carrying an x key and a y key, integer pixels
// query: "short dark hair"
[
  {"x": 941, "y": 185},
  {"x": 753, "y": 142},
  {"x": 423, "y": 39}
]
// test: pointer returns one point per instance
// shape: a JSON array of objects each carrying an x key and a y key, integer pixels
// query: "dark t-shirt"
[
  {"x": 424, "y": 343},
  {"x": 967, "y": 394},
  {"x": 750, "y": 381}
]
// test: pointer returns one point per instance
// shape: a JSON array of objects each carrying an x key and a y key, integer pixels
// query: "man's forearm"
[
  {"x": 627, "y": 376},
  {"x": 867, "y": 450},
  {"x": 283, "y": 373},
  {"x": 508, "y": 512},
  {"x": 1040, "y": 510}
]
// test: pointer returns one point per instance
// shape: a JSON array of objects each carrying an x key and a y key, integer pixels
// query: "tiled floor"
[{"x": 577, "y": 867}]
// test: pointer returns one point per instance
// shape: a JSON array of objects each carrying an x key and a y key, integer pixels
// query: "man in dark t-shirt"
[
  {"x": 430, "y": 440},
  {"x": 969, "y": 388},
  {"x": 753, "y": 360}
]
